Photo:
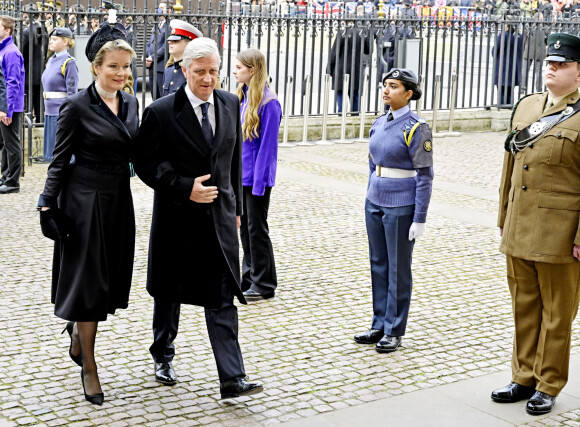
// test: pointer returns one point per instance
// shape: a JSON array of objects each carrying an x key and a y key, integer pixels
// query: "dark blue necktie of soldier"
[{"x": 206, "y": 125}]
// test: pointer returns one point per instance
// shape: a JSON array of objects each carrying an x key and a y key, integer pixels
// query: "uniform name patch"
[{"x": 427, "y": 145}]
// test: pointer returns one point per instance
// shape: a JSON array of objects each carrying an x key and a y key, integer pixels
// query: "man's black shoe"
[
  {"x": 5, "y": 189},
  {"x": 372, "y": 336},
  {"x": 252, "y": 295},
  {"x": 388, "y": 344},
  {"x": 512, "y": 392},
  {"x": 239, "y": 387},
  {"x": 540, "y": 403},
  {"x": 165, "y": 374}
]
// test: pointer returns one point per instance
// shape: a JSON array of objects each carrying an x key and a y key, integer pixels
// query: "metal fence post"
[
  {"x": 380, "y": 102},
  {"x": 307, "y": 95},
  {"x": 323, "y": 140},
  {"x": 225, "y": 83},
  {"x": 451, "y": 111},
  {"x": 361, "y": 134},
  {"x": 452, "y": 106},
  {"x": 285, "y": 142},
  {"x": 345, "y": 102},
  {"x": 421, "y": 86},
  {"x": 436, "y": 104}
]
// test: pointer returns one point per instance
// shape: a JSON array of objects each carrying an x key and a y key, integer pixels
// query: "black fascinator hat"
[{"x": 105, "y": 33}]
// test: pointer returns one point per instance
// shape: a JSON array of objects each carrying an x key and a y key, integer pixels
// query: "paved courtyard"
[{"x": 298, "y": 344}]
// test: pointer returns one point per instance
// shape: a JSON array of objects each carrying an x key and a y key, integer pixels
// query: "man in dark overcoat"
[
  {"x": 189, "y": 152},
  {"x": 156, "y": 49},
  {"x": 534, "y": 54},
  {"x": 346, "y": 57},
  {"x": 32, "y": 36}
]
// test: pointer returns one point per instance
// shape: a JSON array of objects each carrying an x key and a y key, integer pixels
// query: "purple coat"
[
  {"x": 260, "y": 155},
  {"x": 13, "y": 67}
]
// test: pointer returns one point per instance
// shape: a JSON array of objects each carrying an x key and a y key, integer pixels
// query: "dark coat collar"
[
  {"x": 101, "y": 108},
  {"x": 185, "y": 116}
]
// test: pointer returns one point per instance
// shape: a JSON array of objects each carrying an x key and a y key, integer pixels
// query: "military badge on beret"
[
  {"x": 557, "y": 45},
  {"x": 427, "y": 145},
  {"x": 396, "y": 74}
]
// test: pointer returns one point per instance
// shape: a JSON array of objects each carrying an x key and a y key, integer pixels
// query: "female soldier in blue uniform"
[
  {"x": 60, "y": 80},
  {"x": 398, "y": 195}
]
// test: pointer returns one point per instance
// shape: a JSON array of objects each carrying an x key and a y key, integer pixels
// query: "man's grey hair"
[{"x": 201, "y": 47}]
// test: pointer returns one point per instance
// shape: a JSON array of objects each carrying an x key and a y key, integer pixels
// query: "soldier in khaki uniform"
[{"x": 540, "y": 227}]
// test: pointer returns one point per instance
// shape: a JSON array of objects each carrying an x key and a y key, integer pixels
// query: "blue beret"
[
  {"x": 402, "y": 74},
  {"x": 61, "y": 32}
]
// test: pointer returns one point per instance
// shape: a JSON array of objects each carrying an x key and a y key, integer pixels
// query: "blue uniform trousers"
[
  {"x": 49, "y": 137},
  {"x": 390, "y": 253}
]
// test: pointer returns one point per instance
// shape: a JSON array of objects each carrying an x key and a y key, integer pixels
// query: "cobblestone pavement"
[{"x": 298, "y": 344}]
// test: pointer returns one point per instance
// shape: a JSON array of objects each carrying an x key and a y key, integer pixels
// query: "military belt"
[{"x": 385, "y": 172}]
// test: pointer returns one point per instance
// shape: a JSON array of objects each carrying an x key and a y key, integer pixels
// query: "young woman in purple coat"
[{"x": 261, "y": 115}]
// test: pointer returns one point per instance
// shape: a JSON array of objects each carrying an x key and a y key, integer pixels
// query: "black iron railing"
[{"x": 495, "y": 57}]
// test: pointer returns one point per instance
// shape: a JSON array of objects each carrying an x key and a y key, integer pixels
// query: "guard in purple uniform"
[
  {"x": 398, "y": 195},
  {"x": 59, "y": 81}
]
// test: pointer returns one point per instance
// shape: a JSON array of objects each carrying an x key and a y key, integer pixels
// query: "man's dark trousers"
[
  {"x": 222, "y": 327},
  {"x": 11, "y": 151}
]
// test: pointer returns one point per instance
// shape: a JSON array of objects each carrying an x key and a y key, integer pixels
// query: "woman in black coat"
[{"x": 92, "y": 267}]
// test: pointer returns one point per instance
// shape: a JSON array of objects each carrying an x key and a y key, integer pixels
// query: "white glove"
[{"x": 416, "y": 230}]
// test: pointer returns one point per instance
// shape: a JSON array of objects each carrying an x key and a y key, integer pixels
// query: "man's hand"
[
  {"x": 238, "y": 222},
  {"x": 7, "y": 121},
  {"x": 148, "y": 62},
  {"x": 501, "y": 232},
  {"x": 576, "y": 252},
  {"x": 201, "y": 193},
  {"x": 2, "y": 115}
]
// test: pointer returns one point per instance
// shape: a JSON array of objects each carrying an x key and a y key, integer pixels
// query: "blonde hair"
[
  {"x": 255, "y": 59},
  {"x": 111, "y": 46},
  {"x": 70, "y": 42}
]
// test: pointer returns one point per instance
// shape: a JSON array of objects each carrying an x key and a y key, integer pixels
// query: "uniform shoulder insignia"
[{"x": 63, "y": 66}]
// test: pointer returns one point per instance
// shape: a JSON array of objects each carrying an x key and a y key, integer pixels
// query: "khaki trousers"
[{"x": 545, "y": 302}]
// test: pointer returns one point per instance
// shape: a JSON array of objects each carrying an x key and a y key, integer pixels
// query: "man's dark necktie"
[
  {"x": 390, "y": 117},
  {"x": 206, "y": 125}
]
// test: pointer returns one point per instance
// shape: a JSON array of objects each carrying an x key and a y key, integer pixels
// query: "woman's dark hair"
[{"x": 417, "y": 92}]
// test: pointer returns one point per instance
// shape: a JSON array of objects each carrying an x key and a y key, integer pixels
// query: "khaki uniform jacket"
[{"x": 539, "y": 202}]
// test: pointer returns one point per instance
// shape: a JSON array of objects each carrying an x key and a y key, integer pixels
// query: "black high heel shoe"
[
  {"x": 78, "y": 359},
  {"x": 96, "y": 399}
]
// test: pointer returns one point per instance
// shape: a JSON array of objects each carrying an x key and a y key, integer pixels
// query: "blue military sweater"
[
  {"x": 392, "y": 145},
  {"x": 53, "y": 80}
]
